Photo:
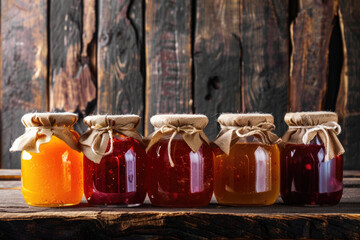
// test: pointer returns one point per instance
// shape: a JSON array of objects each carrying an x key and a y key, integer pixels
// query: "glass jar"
[
  {"x": 185, "y": 179},
  {"x": 120, "y": 176},
  {"x": 311, "y": 161},
  {"x": 51, "y": 164},
  {"x": 306, "y": 178},
  {"x": 114, "y": 160},
  {"x": 249, "y": 173}
]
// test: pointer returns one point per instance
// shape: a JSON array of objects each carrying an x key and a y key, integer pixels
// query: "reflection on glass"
[
  {"x": 196, "y": 172},
  {"x": 263, "y": 170}
]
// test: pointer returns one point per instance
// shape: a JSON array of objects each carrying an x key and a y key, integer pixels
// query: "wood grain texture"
[
  {"x": 177, "y": 225},
  {"x": 120, "y": 44},
  {"x": 72, "y": 82},
  {"x": 217, "y": 58},
  {"x": 348, "y": 102},
  {"x": 310, "y": 36},
  {"x": 168, "y": 58},
  {"x": 265, "y": 59},
  {"x": 24, "y": 69},
  {"x": 279, "y": 221}
]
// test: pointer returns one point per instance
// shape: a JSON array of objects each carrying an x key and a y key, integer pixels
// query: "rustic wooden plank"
[
  {"x": 89, "y": 48},
  {"x": 310, "y": 36},
  {"x": 10, "y": 174},
  {"x": 168, "y": 58},
  {"x": 351, "y": 173},
  {"x": 120, "y": 45},
  {"x": 72, "y": 82},
  {"x": 348, "y": 102},
  {"x": 24, "y": 69},
  {"x": 217, "y": 56},
  {"x": 184, "y": 225},
  {"x": 265, "y": 58}
]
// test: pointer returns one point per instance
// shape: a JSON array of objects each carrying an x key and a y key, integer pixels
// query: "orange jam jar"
[
  {"x": 247, "y": 160},
  {"x": 51, "y": 164}
]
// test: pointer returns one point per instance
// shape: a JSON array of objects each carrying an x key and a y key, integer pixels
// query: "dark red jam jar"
[
  {"x": 179, "y": 162},
  {"x": 311, "y": 161},
  {"x": 114, "y": 161}
]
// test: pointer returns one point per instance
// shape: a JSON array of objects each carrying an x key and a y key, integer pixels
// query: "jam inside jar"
[
  {"x": 189, "y": 183},
  {"x": 54, "y": 176},
  {"x": 249, "y": 175},
  {"x": 119, "y": 178},
  {"x": 306, "y": 178}
]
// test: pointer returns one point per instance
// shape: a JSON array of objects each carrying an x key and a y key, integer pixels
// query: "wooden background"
[{"x": 180, "y": 56}]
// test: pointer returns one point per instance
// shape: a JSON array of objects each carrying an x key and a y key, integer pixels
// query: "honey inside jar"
[
  {"x": 249, "y": 175},
  {"x": 53, "y": 177}
]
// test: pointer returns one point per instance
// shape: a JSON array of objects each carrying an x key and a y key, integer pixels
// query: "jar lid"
[
  {"x": 45, "y": 119},
  {"x": 240, "y": 125},
  {"x": 113, "y": 120},
  {"x": 310, "y": 118},
  {"x": 305, "y": 126},
  {"x": 190, "y": 126},
  {"x": 40, "y": 127},
  {"x": 95, "y": 140},
  {"x": 244, "y": 119},
  {"x": 198, "y": 121}
]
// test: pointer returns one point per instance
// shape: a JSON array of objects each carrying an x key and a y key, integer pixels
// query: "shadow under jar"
[
  {"x": 115, "y": 176},
  {"x": 249, "y": 174},
  {"x": 307, "y": 177},
  {"x": 185, "y": 178},
  {"x": 51, "y": 164}
]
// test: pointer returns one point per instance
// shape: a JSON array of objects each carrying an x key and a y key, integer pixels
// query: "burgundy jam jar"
[
  {"x": 180, "y": 162},
  {"x": 114, "y": 161},
  {"x": 311, "y": 161}
]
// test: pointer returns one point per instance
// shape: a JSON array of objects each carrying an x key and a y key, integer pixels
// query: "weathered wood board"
[
  {"x": 279, "y": 221},
  {"x": 168, "y": 58},
  {"x": 348, "y": 102},
  {"x": 120, "y": 46},
  {"x": 310, "y": 37},
  {"x": 217, "y": 60},
  {"x": 24, "y": 53},
  {"x": 265, "y": 58},
  {"x": 72, "y": 83}
]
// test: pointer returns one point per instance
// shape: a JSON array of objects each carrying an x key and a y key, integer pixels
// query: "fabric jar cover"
[
  {"x": 304, "y": 126},
  {"x": 239, "y": 125},
  {"x": 40, "y": 127},
  {"x": 190, "y": 126},
  {"x": 101, "y": 129}
]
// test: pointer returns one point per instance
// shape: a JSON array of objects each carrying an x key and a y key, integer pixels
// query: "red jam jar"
[
  {"x": 114, "y": 160},
  {"x": 311, "y": 161},
  {"x": 179, "y": 162}
]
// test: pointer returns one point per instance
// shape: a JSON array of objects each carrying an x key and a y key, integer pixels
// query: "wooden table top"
[{"x": 18, "y": 220}]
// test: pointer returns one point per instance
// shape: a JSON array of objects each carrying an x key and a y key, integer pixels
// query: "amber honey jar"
[
  {"x": 51, "y": 164},
  {"x": 311, "y": 159},
  {"x": 179, "y": 162},
  {"x": 247, "y": 160},
  {"x": 114, "y": 160}
]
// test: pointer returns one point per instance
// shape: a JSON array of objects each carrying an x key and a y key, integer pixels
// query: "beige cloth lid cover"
[
  {"x": 40, "y": 127},
  {"x": 304, "y": 126},
  {"x": 101, "y": 127},
  {"x": 237, "y": 125},
  {"x": 190, "y": 126}
]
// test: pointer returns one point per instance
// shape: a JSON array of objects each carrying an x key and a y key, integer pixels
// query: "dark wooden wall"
[{"x": 180, "y": 56}]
